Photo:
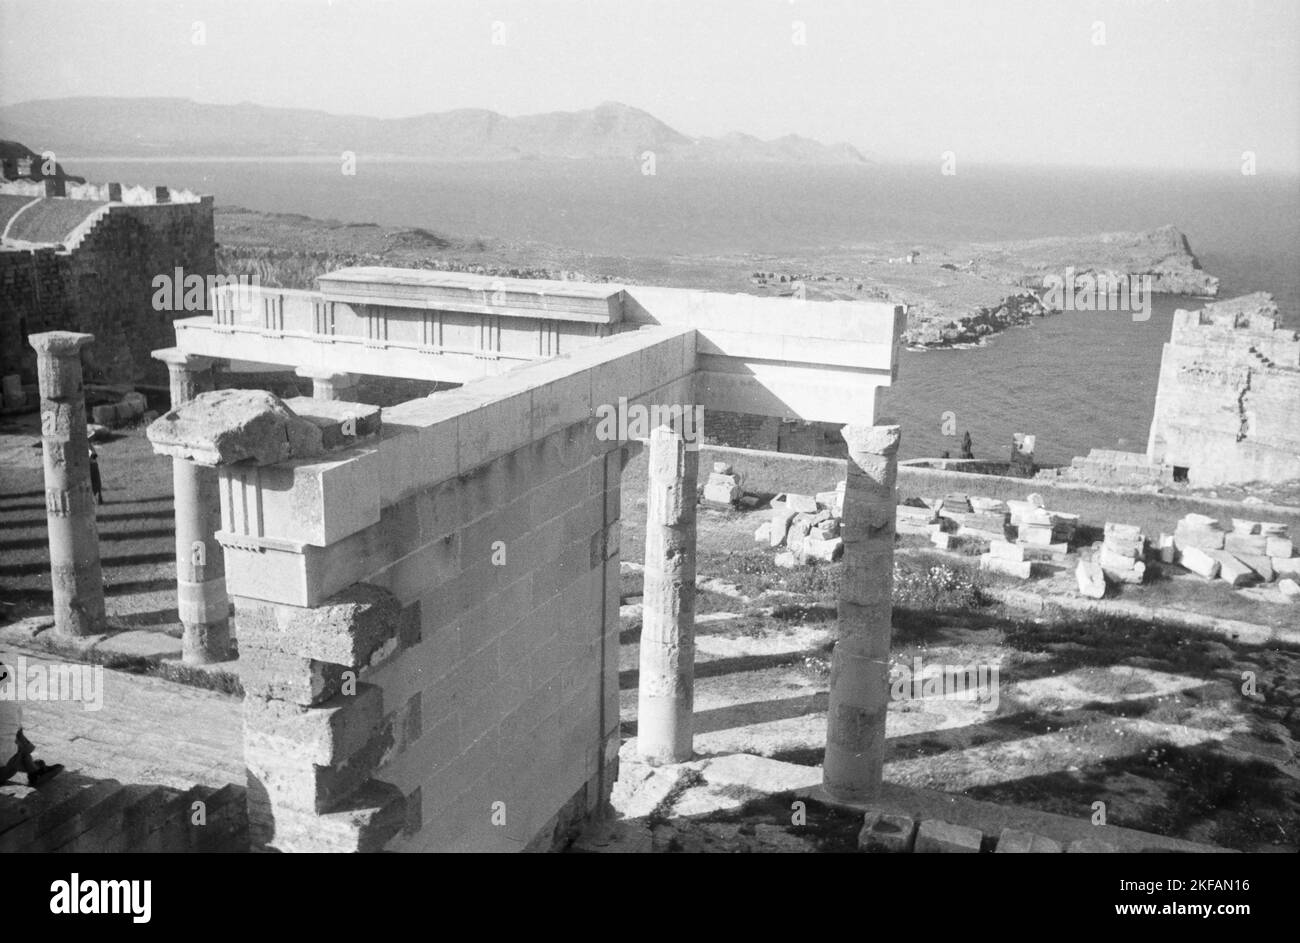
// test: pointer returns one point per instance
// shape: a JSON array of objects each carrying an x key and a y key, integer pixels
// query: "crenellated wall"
[{"x": 95, "y": 274}]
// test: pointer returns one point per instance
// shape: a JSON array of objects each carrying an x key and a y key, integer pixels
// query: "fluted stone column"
[
  {"x": 859, "y": 695},
  {"x": 75, "y": 571},
  {"x": 666, "y": 700},
  {"x": 201, "y": 597},
  {"x": 330, "y": 385}
]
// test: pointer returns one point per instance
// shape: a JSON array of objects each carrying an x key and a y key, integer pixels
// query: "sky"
[{"x": 1132, "y": 83}]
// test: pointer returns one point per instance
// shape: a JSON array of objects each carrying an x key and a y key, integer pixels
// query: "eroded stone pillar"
[
  {"x": 201, "y": 597},
  {"x": 859, "y": 695},
  {"x": 666, "y": 699},
  {"x": 69, "y": 504},
  {"x": 329, "y": 385}
]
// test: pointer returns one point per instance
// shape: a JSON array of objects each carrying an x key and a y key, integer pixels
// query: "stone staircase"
[{"x": 72, "y": 813}]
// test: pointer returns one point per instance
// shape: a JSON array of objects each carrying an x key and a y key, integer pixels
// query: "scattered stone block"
[
  {"x": 941, "y": 540},
  {"x": 722, "y": 490},
  {"x": 823, "y": 551},
  {"x": 1091, "y": 578},
  {"x": 779, "y": 526},
  {"x": 1110, "y": 560},
  {"x": 1232, "y": 570},
  {"x": 936, "y": 837},
  {"x": 987, "y": 505},
  {"x": 1244, "y": 527},
  {"x": 786, "y": 560},
  {"x": 1035, "y": 499},
  {"x": 1009, "y": 567},
  {"x": 886, "y": 833},
  {"x": 1289, "y": 588},
  {"x": 827, "y": 499},
  {"x": 1166, "y": 549},
  {"x": 1235, "y": 544},
  {"x": 762, "y": 534},
  {"x": 799, "y": 503},
  {"x": 1007, "y": 551},
  {"x": 1199, "y": 562},
  {"x": 1286, "y": 566},
  {"x": 827, "y": 529},
  {"x": 1279, "y": 547},
  {"x": 721, "y": 468},
  {"x": 1272, "y": 529},
  {"x": 1039, "y": 535},
  {"x": 1018, "y": 841},
  {"x": 1122, "y": 532},
  {"x": 1262, "y": 566}
]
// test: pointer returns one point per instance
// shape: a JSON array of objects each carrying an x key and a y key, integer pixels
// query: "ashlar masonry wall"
[
  {"x": 1229, "y": 394},
  {"x": 429, "y": 622}
]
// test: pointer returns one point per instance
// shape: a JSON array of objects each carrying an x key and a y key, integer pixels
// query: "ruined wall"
[
  {"x": 102, "y": 285},
  {"x": 1228, "y": 397},
  {"x": 464, "y": 569}
]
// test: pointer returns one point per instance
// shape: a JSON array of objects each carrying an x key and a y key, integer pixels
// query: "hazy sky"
[{"x": 1187, "y": 83}]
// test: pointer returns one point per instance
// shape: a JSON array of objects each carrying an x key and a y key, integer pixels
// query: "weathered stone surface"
[
  {"x": 1018, "y": 841},
  {"x": 1123, "y": 532},
  {"x": 1007, "y": 551},
  {"x": 1111, "y": 560},
  {"x": 1240, "y": 526},
  {"x": 1235, "y": 543},
  {"x": 1279, "y": 547},
  {"x": 342, "y": 424},
  {"x": 823, "y": 551},
  {"x": 1289, "y": 588},
  {"x": 936, "y": 837},
  {"x": 225, "y": 427},
  {"x": 886, "y": 833},
  {"x": 1232, "y": 570},
  {"x": 1091, "y": 579},
  {"x": 1199, "y": 562},
  {"x": 1286, "y": 566},
  {"x": 354, "y": 628},
  {"x": 1262, "y": 566}
]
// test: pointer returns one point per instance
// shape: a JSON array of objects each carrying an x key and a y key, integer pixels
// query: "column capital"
[
  {"x": 871, "y": 438},
  {"x": 59, "y": 343},
  {"x": 175, "y": 357}
]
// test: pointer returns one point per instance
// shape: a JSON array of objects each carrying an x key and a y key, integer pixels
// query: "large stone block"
[
  {"x": 326, "y": 735},
  {"x": 1232, "y": 570},
  {"x": 886, "y": 833},
  {"x": 357, "y": 627},
  {"x": 319, "y": 502},
  {"x": 1091, "y": 579},
  {"x": 1199, "y": 562},
  {"x": 936, "y": 837},
  {"x": 1250, "y": 544},
  {"x": 1022, "y": 570},
  {"x": 225, "y": 427}
]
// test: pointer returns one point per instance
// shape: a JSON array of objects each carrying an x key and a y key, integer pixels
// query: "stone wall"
[
  {"x": 103, "y": 285},
  {"x": 418, "y": 613},
  {"x": 1229, "y": 388}
]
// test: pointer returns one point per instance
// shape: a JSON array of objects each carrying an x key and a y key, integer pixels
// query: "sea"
[{"x": 1076, "y": 380}]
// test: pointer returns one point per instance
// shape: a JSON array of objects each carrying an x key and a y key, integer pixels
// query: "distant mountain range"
[{"x": 178, "y": 127}]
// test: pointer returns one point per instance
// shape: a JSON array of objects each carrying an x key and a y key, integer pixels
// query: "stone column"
[
  {"x": 667, "y": 678},
  {"x": 859, "y": 695},
  {"x": 329, "y": 385},
  {"x": 201, "y": 597},
  {"x": 69, "y": 505}
]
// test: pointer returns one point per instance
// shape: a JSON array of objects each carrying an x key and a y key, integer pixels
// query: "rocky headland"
[{"x": 956, "y": 294}]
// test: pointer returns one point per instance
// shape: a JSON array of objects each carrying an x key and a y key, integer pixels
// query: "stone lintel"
[{"x": 175, "y": 357}]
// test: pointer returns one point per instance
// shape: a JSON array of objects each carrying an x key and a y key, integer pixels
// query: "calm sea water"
[{"x": 1076, "y": 380}]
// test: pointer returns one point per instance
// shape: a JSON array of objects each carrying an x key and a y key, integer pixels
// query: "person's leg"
[{"x": 96, "y": 484}]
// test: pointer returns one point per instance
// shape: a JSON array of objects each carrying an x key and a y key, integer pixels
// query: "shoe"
[{"x": 43, "y": 773}]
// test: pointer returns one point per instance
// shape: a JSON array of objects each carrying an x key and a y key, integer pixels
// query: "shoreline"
[{"x": 957, "y": 295}]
